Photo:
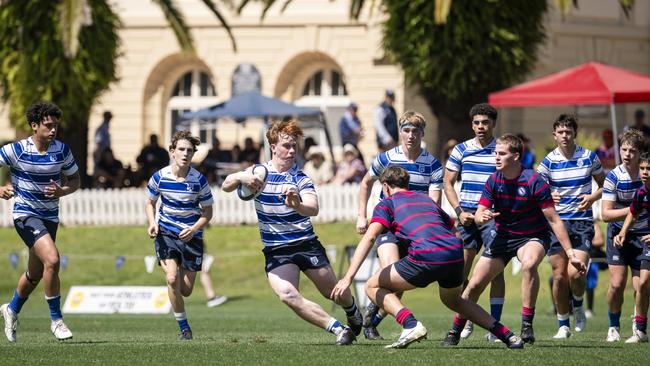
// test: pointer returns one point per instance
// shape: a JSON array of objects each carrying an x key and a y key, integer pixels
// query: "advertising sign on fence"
[{"x": 117, "y": 300}]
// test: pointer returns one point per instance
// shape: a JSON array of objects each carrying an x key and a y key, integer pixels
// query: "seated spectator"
[
  {"x": 152, "y": 158},
  {"x": 109, "y": 172},
  {"x": 317, "y": 167},
  {"x": 351, "y": 169},
  {"x": 209, "y": 165},
  {"x": 301, "y": 157},
  {"x": 251, "y": 153},
  {"x": 606, "y": 152},
  {"x": 235, "y": 154}
]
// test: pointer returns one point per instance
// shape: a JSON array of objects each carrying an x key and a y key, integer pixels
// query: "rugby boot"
[
  {"x": 60, "y": 330},
  {"x": 527, "y": 333},
  {"x": 451, "y": 339},
  {"x": 514, "y": 342},
  {"x": 185, "y": 335},
  {"x": 492, "y": 338},
  {"x": 355, "y": 322},
  {"x": 346, "y": 337},
  {"x": 11, "y": 322},
  {"x": 563, "y": 333},
  {"x": 369, "y": 330},
  {"x": 613, "y": 335},
  {"x": 468, "y": 330},
  {"x": 638, "y": 337},
  {"x": 408, "y": 336}
]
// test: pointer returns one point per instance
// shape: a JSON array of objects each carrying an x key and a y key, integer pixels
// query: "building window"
[
  {"x": 325, "y": 83},
  {"x": 194, "y": 90}
]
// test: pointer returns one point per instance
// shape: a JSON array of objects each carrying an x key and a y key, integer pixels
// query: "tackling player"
[{"x": 425, "y": 173}]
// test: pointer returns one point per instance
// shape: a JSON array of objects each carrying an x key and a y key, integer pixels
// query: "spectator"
[
  {"x": 351, "y": 169},
  {"x": 606, "y": 152},
  {"x": 235, "y": 153},
  {"x": 251, "y": 153},
  {"x": 350, "y": 128},
  {"x": 210, "y": 164},
  {"x": 528, "y": 158},
  {"x": 317, "y": 167},
  {"x": 102, "y": 137},
  {"x": 109, "y": 172},
  {"x": 639, "y": 124},
  {"x": 386, "y": 122},
  {"x": 152, "y": 158}
]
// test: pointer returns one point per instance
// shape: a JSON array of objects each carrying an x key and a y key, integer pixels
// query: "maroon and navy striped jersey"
[
  {"x": 519, "y": 201},
  {"x": 416, "y": 219},
  {"x": 641, "y": 201}
]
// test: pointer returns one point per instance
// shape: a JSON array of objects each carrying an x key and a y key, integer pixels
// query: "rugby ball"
[{"x": 248, "y": 194}]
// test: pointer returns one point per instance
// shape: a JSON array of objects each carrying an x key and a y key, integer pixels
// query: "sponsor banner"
[{"x": 117, "y": 300}]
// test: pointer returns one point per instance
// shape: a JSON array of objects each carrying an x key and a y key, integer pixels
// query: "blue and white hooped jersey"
[
  {"x": 425, "y": 174},
  {"x": 571, "y": 178},
  {"x": 619, "y": 188},
  {"x": 279, "y": 224},
  {"x": 32, "y": 171},
  {"x": 475, "y": 164},
  {"x": 181, "y": 202}
]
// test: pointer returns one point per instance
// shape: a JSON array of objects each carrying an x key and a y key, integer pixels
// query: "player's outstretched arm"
[
  {"x": 563, "y": 237},
  {"x": 244, "y": 177},
  {"x": 360, "y": 254},
  {"x": 365, "y": 187}
]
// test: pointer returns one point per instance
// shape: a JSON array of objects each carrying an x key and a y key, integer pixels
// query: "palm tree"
[{"x": 66, "y": 52}]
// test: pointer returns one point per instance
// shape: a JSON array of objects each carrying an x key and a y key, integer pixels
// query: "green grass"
[{"x": 254, "y": 327}]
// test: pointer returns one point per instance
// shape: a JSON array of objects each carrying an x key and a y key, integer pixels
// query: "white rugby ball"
[{"x": 248, "y": 194}]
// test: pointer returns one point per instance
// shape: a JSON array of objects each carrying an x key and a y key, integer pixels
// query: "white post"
[{"x": 612, "y": 109}]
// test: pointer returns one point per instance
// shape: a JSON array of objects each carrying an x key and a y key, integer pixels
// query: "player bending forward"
[{"x": 434, "y": 254}]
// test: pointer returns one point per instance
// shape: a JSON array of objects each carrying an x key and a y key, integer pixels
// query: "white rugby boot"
[{"x": 60, "y": 330}]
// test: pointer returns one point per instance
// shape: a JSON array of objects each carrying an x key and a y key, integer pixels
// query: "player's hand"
[
  {"x": 585, "y": 202},
  {"x": 577, "y": 263},
  {"x": 646, "y": 239},
  {"x": 489, "y": 215},
  {"x": 251, "y": 181},
  {"x": 362, "y": 225},
  {"x": 6, "y": 192},
  {"x": 466, "y": 218},
  {"x": 556, "y": 197},
  {"x": 54, "y": 190},
  {"x": 152, "y": 231},
  {"x": 339, "y": 289},
  {"x": 618, "y": 241},
  {"x": 186, "y": 234},
  {"x": 291, "y": 198}
]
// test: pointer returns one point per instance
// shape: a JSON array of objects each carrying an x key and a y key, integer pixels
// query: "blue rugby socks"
[
  {"x": 496, "y": 307},
  {"x": 17, "y": 302},
  {"x": 181, "y": 318},
  {"x": 334, "y": 326},
  {"x": 563, "y": 320},
  {"x": 614, "y": 319},
  {"x": 54, "y": 303}
]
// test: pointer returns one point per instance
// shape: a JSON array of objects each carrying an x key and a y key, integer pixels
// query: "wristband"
[{"x": 458, "y": 211}]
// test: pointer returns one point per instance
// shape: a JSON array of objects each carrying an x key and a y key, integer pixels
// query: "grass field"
[{"x": 253, "y": 327}]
